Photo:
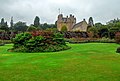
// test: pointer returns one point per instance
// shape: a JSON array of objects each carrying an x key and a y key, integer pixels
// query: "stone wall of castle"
[
  {"x": 81, "y": 26},
  {"x": 68, "y": 22}
]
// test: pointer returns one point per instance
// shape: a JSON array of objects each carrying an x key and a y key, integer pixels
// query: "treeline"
[
  {"x": 8, "y": 32},
  {"x": 22, "y": 26},
  {"x": 97, "y": 30},
  {"x": 109, "y": 30}
]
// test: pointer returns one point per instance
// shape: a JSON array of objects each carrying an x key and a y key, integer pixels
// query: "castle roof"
[{"x": 79, "y": 24}]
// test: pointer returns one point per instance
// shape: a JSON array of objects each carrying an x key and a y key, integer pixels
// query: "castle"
[{"x": 70, "y": 23}]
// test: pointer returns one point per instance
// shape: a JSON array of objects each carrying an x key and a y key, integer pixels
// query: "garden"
[
  {"x": 83, "y": 62},
  {"x": 50, "y": 55}
]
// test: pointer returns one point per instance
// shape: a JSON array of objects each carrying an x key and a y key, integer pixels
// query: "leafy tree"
[
  {"x": 117, "y": 37},
  {"x": 103, "y": 31},
  {"x": 98, "y": 25},
  {"x": 94, "y": 31},
  {"x": 52, "y": 29},
  {"x": 113, "y": 21},
  {"x": 113, "y": 27},
  {"x": 20, "y": 26},
  {"x": 37, "y": 21},
  {"x": 64, "y": 28},
  {"x": 45, "y": 26},
  {"x": 31, "y": 28}
]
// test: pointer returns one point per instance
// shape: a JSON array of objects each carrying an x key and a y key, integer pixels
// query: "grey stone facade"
[{"x": 70, "y": 23}]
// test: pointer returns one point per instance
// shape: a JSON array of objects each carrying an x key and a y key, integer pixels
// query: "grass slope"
[{"x": 83, "y": 62}]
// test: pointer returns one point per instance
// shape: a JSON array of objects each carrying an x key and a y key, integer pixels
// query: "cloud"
[{"x": 47, "y": 10}]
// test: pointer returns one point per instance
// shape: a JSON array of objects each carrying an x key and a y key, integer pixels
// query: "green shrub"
[
  {"x": 64, "y": 28},
  {"x": 90, "y": 40},
  {"x": 118, "y": 50},
  {"x": 1, "y": 43},
  {"x": 31, "y": 28},
  {"x": 39, "y": 42},
  {"x": 117, "y": 37},
  {"x": 21, "y": 39},
  {"x": 7, "y": 41}
]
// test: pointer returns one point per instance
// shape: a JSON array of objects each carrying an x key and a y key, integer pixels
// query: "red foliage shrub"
[
  {"x": 117, "y": 37},
  {"x": 46, "y": 34}
]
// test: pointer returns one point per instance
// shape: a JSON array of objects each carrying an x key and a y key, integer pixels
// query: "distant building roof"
[{"x": 78, "y": 25}]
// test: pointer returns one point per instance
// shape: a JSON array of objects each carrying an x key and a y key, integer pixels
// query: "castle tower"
[{"x": 69, "y": 22}]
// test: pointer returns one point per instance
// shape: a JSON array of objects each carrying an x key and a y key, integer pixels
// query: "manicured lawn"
[{"x": 83, "y": 62}]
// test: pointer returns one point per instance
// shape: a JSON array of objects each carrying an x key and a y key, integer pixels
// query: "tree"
[
  {"x": 90, "y": 22},
  {"x": 117, "y": 37},
  {"x": 11, "y": 23},
  {"x": 31, "y": 28},
  {"x": 3, "y": 25},
  {"x": 103, "y": 31},
  {"x": 64, "y": 28},
  {"x": 98, "y": 25},
  {"x": 45, "y": 26},
  {"x": 37, "y": 21},
  {"x": 20, "y": 26},
  {"x": 2, "y": 22},
  {"x": 52, "y": 29},
  {"x": 94, "y": 31}
]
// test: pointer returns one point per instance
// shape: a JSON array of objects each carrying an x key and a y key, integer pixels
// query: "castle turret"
[
  {"x": 60, "y": 16},
  {"x": 66, "y": 21}
]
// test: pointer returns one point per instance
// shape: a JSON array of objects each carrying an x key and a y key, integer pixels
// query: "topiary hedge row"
[{"x": 39, "y": 41}]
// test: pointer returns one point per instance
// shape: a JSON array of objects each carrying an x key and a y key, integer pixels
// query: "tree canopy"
[{"x": 37, "y": 21}]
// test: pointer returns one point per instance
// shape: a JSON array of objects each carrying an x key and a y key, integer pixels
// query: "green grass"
[{"x": 83, "y": 62}]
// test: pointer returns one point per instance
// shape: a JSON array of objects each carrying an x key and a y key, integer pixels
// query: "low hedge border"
[
  {"x": 91, "y": 41},
  {"x": 2, "y": 44}
]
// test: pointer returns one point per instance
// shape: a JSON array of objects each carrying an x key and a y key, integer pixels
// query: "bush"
[
  {"x": 21, "y": 39},
  {"x": 39, "y": 41},
  {"x": 1, "y": 43},
  {"x": 90, "y": 40},
  {"x": 31, "y": 28},
  {"x": 64, "y": 28},
  {"x": 117, "y": 37},
  {"x": 118, "y": 50}
]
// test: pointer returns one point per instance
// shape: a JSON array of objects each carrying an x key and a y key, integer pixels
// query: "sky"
[{"x": 48, "y": 10}]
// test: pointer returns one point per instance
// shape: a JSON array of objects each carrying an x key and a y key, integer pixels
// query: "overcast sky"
[{"x": 47, "y": 10}]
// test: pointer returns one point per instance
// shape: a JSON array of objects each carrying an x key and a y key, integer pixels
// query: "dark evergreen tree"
[
  {"x": 2, "y": 22},
  {"x": 20, "y": 26},
  {"x": 37, "y": 21},
  {"x": 3, "y": 25},
  {"x": 90, "y": 22},
  {"x": 11, "y": 23}
]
